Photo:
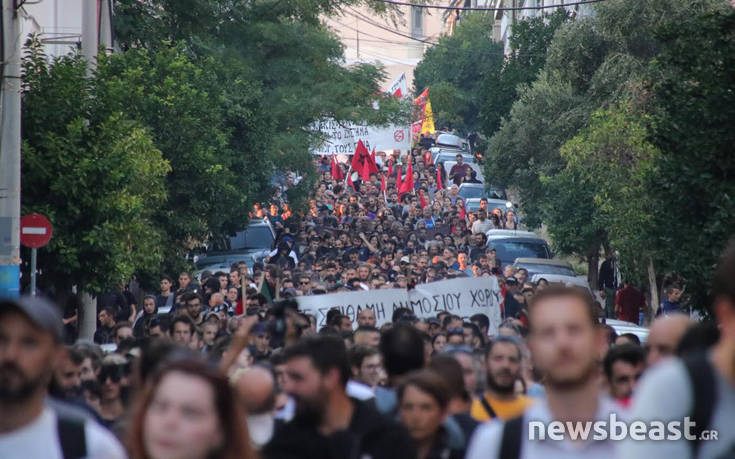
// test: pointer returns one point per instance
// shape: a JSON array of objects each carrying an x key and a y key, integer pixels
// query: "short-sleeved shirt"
[{"x": 40, "y": 439}]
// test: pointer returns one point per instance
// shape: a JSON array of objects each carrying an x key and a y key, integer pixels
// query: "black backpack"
[
  {"x": 70, "y": 422},
  {"x": 702, "y": 376}
]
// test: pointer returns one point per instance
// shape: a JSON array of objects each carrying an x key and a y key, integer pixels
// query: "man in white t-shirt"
[{"x": 30, "y": 425}]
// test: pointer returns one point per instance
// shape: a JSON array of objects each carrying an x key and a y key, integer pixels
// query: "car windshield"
[
  {"x": 468, "y": 192},
  {"x": 546, "y": 269},
  {"x": 255, "y": 237},
  {"x": 509, "y": 250}
]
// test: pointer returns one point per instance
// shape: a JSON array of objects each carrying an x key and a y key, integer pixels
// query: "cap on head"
[{"x": 39, "y": 311}]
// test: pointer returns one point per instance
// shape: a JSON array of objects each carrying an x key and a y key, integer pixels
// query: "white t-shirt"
[
  {"x": 40, "y": 440},
  {"x": 487, "y": 439}
]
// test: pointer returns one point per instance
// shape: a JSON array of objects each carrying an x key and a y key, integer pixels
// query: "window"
[{"x": 417, "y": 22}]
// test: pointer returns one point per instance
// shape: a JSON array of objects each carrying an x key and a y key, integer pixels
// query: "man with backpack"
[
  {"x": 31, "y": 426},
  {"x": 566, "y": 342},
  {"x": 700, "y": 387}
]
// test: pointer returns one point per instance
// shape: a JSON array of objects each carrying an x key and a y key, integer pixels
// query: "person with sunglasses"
[{"x": 114, "y": 379}]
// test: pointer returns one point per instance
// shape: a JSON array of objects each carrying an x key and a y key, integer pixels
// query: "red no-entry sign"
[{"x": 35, "y": 230}]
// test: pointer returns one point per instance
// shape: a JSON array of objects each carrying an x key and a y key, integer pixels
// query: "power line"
[
  {"x": 367, "y": 34},
  {"x": 476, "y": 8},
  {"x": 388, "y": 29}
]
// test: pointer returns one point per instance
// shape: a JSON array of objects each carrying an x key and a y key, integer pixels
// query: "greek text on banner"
[{"x": 463, "y": 297}]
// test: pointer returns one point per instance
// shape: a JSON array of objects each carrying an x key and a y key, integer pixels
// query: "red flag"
[
  {"x": 390, "y": 167},
  {"x": 373, "y": 164},
  {"x": 336, "y": 171},
  {"x": 360, "y": 153},
  {"x": 463, "y": 212},
  {"x": 422, "y": 201},
  {"x": 398, "y": 93},
  {"x": 365, "y": 171},
  {"x": 382, "y": 183},
  {"x": 398, "y": 179},
  {"x": 350, "y": 182},
  {"x": 407, "y": 185},
  {"x": 439, "y": 185}
]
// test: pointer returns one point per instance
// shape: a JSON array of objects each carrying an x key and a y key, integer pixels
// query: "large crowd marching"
[{"x": 226, "y": 365}]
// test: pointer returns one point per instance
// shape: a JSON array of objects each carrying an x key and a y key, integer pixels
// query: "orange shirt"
[{"x": 504, "y": 409}]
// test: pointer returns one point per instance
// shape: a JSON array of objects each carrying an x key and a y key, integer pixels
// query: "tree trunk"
[
  {"x": 653, "y": 289},
  {"x": 593, "y": 273},
  {"x": 88, "y": 323}
]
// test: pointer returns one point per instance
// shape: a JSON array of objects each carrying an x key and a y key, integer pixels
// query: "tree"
[
  {"x": 206, "y": 129},
  {"x": 693, "y": 105},
  {"x": 94, "y": 172},
  {"x": 500, "y": 85},
  {"x": 597, "y": 196},
  {"x": 454, "y": 70}
]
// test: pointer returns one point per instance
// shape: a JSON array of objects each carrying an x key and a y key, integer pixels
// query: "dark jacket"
[
  {"x": 443, "y": 449},
  {"x": 370, "y": 436},
  {"x": 608, "y": 277}
]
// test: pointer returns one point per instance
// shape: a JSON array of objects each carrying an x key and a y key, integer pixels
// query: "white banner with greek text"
[
  {"x": 341, "y": 137},
  {"x": 463, "y": 297}
]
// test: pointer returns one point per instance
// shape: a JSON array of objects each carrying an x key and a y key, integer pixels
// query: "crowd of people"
[{"x": 227, "y": 366}]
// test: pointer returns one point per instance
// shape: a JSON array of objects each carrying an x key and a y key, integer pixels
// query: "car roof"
[
  {"x": 560, "y": 278},
  {"x": 450, "y": 140},
  {"x": 501, "y": 234},
  {"x": 543, "y": 261}
]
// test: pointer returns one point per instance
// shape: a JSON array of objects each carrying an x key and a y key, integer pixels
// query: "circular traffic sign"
[{"x": 35, "y": 230}]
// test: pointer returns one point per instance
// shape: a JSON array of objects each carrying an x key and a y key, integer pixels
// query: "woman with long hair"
[
  {"x": 423, "y": 401},
  {"x": 188, "y": 410}
]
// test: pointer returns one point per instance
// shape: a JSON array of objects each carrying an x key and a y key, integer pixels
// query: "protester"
[
  {"x": 623, "y": 366},
  {"x": 423, "y": 399},
  {"x": 664, "y": 336},
  {"x": 503, "y": 359},
  {"x": 700, "y": 386},
  {"x": 32, "y": 427},
  {"x": 565, "y": 344},
  {"x": 327, "y": 423},
  {"x": 189, "y": 410}
]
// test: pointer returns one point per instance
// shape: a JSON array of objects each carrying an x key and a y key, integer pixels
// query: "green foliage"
[
  {"x": 625, "y": 139},
  {"x": 94, "y": 172},
  {"x": 454, "y": 71},
  {"x": 693, "y": 106},
  {"x": 607, "y": 164},
  {"x": 528, "y": 48},
  {"x": 216, "y": 171},
  {"x": 527, "y": 145}
]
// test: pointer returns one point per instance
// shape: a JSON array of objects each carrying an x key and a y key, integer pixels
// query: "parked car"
[
  {"x": 621, "y": 327},
  {"x": 544, "y": 266},
  {"x": 512, "y": 244},
  {"x": 452, "y": 141},
  {"x": 480, "y": 190},
  {"x": 251, "y": 244},
  {"x": 568, "y": 280}
]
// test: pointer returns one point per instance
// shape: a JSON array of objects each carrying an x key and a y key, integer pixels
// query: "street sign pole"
[
  {"x": 35, "y": 232},
  {"x": 34, "y": 253}
]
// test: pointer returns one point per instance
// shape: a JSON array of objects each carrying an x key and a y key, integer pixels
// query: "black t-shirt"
[{"x": 369, "y": 435}]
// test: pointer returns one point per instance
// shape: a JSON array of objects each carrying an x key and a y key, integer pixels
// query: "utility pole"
[
  {"x": 10, "y": 152},
  {"x": 90, "y": 46},
  {"x": 357, "y": 34},
  {"x": 90, "y": 34}
]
